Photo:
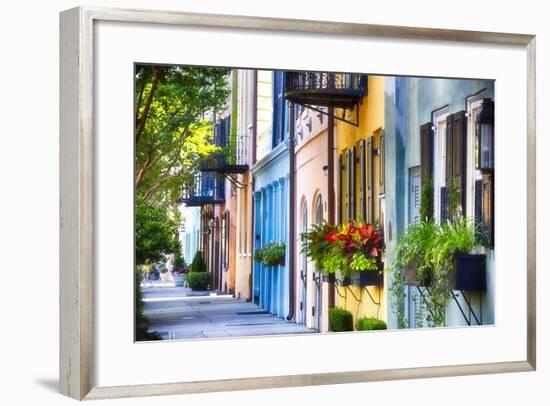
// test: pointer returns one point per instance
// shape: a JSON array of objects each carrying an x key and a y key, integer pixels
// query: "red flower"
[{"x": 331, "y": 237}]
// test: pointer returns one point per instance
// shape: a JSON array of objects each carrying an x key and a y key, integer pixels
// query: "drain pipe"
[
  {"x": 291, "y": 217},
  {"x": 331, "y": 193},
  {"x": 252, "y": 155}
]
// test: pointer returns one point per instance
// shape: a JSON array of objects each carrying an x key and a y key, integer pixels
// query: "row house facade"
[
  {"x": 272, "y": 194},
  {"x": 431, "y": 133},
  {"x": 301, "y": 148}
]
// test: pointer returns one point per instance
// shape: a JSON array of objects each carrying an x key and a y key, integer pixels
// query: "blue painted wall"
[
  {"x": 272, "y": 208},
  {"x": 409, "y": 103}
]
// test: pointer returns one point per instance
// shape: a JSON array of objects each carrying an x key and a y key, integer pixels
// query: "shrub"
[
  {"x": 198, "y": 264},
  {"x": 163, "y": 270},
  {"x": 370, "y": 323},
  {"x": 179, "y": 262},
  {"x": 198, "y": 280},
  {"x": 141, "y": 322},
  {"x": 340, "y": 319}
]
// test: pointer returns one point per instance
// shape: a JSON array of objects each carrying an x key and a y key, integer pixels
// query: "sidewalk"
[{"x": 179, "y": 313}]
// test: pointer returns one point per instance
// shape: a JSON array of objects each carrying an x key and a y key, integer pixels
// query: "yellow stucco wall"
[{"x": 371, "y": 124}]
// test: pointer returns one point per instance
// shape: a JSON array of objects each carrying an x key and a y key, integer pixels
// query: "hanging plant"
[
  {"x": 347, "y": 248},
  {"x": 271, "y": 254},
  {"x": 430, "y": 250}
]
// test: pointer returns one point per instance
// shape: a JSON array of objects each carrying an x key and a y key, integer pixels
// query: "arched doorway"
[
  {"x": 317, "y": 282},
  {"x": 303, "y": 271}
]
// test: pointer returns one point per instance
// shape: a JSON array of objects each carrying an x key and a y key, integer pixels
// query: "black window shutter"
[
  {"x": 478, "y": 202},
  {"x": 455, "y": 156},
  {"x": 347, "y": 183},
  {"x": 426, "y": 156},
  {"x": 382, "y": 163},
  {"x": 488, "y": 207},
  {"x": 339, "y": 199},
  {"x": 362, "y": 180},
  {"x": 370, "y": 188},
  {"x": 449, "y": 149},
  {"x": 459, "y": 156},
  {"x": 353, "y": 183}
]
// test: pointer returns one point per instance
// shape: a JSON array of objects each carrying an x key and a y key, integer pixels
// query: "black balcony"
[
  {"x": 231, "y": 158},
  {"x": 338, "y": 90},
  {"x": 206, "y": 188}
]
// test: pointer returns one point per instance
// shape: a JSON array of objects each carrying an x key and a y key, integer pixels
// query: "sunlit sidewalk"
[{"x": 179, "y": 313}]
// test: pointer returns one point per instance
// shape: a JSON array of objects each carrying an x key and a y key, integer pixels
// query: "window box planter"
[
  {"x": 367, "y": 278},
  {"x": 342, "y": 281},
  {"x": 468, "y": 273},
  {"x": 410, "y": 276},
  {"x": 329, "y": 277}
]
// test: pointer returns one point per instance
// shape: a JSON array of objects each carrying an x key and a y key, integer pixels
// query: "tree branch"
[{"x": 142, "y": 120}]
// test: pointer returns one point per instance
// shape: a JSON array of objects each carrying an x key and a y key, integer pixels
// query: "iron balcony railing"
[
  {"x": 339, "y": 90},
  {"x": 205, "y": 188},
  {"x": 232, "y": 156}
]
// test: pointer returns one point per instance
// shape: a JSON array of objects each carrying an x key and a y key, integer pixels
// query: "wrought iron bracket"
[
  {"x": 353, "y": 294},
  {"x": 470, "y": 309},
  {"x": 371, "y": 298},
  {"x": 235, "y": 182},
  {"x": 338, "y": 292},
  {"x": 353, "y": 123},
  {"x": 424, "y": 299}
]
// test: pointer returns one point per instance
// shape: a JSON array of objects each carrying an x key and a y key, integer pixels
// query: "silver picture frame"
[{"x": 77, "y": 199}]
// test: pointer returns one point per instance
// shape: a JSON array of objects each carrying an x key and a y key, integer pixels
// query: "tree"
[
  {"x": 155, "y": 233},
  {"x": 198, "y": 264},
  {"x": 172, "y": 132}
]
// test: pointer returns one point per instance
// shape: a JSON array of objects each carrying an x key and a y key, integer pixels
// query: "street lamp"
[{"x": 485, "y": 136}]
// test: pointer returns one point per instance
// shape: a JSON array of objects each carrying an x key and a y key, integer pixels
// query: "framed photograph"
[{"x": 254, "y": 202}]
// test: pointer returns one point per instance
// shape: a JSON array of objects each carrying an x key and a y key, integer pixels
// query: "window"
[
  {"x": 278, "y": 108},
  {"x": 448, "y": 165}
]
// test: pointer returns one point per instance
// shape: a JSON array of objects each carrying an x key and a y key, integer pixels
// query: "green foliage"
[
  {"x": 198, "y": 280},
  {"x": 141, "y": 322},
  {"x": 315, "y": 245},
  {"x": 171, "y": 133},
  {"x": 340, "y": 319},
  {"x": 198, "y": 264},
  {"x": 179, "y": 262},
  {"x": 370, "y": 323},
  {"x": 414, "y": 247},
  {"x": 270, "y": 254},
  {"x": 398, "y": 296},
  {"x": 345, "y": 248},
  {"x": 426, "y": 200},
  {"x": 431, "y": 248},
  {"x": 163, "y": 270},
  {"x": 154, "y": 233},
  {"x": 362, "y": 263},
  {"x": 454, "y": 199}
]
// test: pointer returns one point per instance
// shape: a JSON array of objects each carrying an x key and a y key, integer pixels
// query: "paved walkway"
[{"x": 179, "y": 313}]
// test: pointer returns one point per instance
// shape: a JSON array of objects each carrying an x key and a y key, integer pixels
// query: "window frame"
[{"x": 439, "y": 133}]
